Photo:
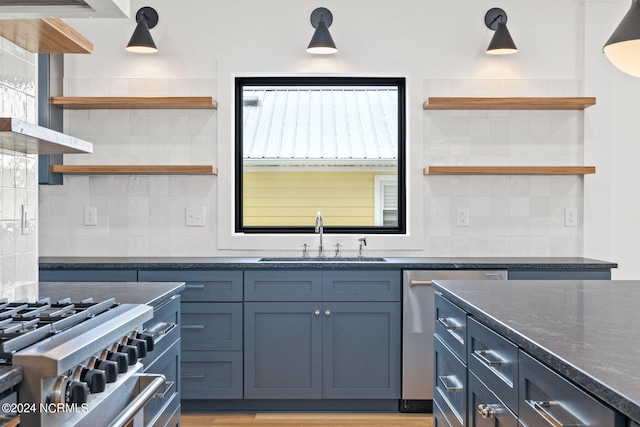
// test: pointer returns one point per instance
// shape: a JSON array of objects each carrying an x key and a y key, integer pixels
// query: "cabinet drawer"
[
  {"x": 88, "y": 275},
  {"x": 451, "y": 326},
  {"x": 450, "y": 384},
  {"x": 283, "y": 285},
  {"x": 211, "y": 375},
  {"x": 211, "y": 326},
  {"x": 439, "y": 420},
  {"x": 545, "y": 395},
  {"x": 485, "y": 409},
  {"x": 201, "y": 286},
  {"x": 494, "y": 360},
  {"x": 363, "y": 285}
]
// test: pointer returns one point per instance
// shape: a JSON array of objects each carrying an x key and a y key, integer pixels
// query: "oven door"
[{"x": 145, "y": 388}]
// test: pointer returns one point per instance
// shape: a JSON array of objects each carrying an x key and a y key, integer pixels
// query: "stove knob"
[
  {"x": 95, "y": 379},
  {"x": 121, "y": 359},
  {"x": 131, "y": 351},
  {"x": 148, "y": 338},
  {"x": 77, "y": 392},
  {"x": 141, "y": 345},
  {"x": 110, "y": 369}
]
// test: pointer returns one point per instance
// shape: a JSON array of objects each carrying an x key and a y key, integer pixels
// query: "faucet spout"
[{"x": 320, "y": 230}]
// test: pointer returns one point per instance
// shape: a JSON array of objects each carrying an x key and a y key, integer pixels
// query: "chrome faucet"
[{"x": 320, "y": 230}]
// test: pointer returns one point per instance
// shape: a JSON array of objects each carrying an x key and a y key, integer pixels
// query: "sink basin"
[{"x": 326, "y": 259}]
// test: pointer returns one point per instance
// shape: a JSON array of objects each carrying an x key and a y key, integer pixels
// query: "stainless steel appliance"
[
  {"x": 418, "y": 328},
  {"x": 82, "y": 362}
]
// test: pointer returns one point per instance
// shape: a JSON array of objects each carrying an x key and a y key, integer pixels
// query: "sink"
[{"x": 326, "y": 259}]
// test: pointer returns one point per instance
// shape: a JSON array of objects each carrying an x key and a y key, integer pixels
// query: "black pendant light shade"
[
  {"x": 623, "y": 47},
  {"x": 141, "y": 40},
  {"x": 321, "y": 42},
  {"x": 501, "y": 42}
]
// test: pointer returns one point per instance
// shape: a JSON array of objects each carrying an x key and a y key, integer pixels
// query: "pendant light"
[
  {"x": 141, "y": 40},
  {"x": 501, "y": 43},
  {"x": 623, "y": 47},
  {"x": 321, "y": 43}
]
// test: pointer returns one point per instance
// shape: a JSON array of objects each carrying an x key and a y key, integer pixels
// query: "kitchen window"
[{"x": 334, "y": 145}]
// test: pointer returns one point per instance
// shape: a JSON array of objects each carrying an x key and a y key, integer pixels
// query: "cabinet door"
[
  {"x": 361, "y": 350},
  {"x": 283, "y": 350},
  {"x": 485, "y": 409}
]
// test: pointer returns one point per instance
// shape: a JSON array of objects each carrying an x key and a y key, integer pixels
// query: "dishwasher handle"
[{"x": 416, "y": 282}]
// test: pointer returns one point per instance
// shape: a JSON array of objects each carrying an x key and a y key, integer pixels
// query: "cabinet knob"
[
  {"x": 317, "y": 313},
  {"x": 486, "y": 411},
  {"x": 327, "y": 313}
]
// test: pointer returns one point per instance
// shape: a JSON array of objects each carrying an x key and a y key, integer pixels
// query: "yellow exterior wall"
[{"x": 293, "y": 198}]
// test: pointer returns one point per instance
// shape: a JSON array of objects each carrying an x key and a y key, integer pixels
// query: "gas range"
[{"x": 82, "y": 361}]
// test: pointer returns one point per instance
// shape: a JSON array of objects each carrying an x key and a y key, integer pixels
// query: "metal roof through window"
[{"x": 327, "y": 125}]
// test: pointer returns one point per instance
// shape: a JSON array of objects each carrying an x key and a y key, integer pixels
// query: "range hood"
[{"x": 32, "y": 9}]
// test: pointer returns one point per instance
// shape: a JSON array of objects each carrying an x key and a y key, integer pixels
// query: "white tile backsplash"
[{"x": 18, "y": 251}]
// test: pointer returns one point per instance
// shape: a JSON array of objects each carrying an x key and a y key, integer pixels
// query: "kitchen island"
[{"x": 582, "y": 330}]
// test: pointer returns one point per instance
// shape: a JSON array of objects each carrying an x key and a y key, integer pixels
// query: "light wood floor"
[{"x": 272, "y": 419}]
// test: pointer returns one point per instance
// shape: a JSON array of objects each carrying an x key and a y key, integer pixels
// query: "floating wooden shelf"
[
  {"x": 509, "y": 170},
  {"x": 135, "y": 102},
  {"x": 24, "y": 137},
  {"x": 549, "y": 103},
  {"x": 50, "y": 35},
  {"x": 135, "y": 170}
]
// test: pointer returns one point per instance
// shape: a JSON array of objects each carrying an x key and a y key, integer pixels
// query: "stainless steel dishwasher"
[{"x": 418, "y": 329}]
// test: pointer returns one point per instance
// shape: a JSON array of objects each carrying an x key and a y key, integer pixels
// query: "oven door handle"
[{"x": 156, "y": 382}]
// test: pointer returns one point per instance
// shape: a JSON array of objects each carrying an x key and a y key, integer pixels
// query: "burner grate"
[{"x": 24, "y": 324}]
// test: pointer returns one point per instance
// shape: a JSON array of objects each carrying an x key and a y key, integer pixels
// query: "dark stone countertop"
[
  {"x": 462, "y": 263},
  {"x": 151, "y": 293},
  {"x": 9, "y": 376},
  {"x": 585, "y": 330}
]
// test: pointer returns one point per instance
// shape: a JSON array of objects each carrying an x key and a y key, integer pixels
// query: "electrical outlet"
[
  {"x": 90, "y": 215},
  {"x": 462, "y": 217},
  {"x": 195, "y": 217},
  {"x": 27, "y": 219},
  {"x": 570, "y": 217}
]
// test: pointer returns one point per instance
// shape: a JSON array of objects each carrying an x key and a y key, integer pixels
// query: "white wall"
[
  {"x": 18, "y": 179},
  {"x": 559, "y": 55}
]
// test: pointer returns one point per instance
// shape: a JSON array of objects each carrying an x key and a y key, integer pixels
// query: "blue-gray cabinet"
[
  {"x": 283, "y": 350},
  {"x": 316, "y": 347},
  {"x": 88, "y": 275},
  {"x": 211, "y": 331}
]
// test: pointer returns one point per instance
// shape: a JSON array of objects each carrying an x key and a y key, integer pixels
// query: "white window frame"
[{"x": 380, "y": 183}]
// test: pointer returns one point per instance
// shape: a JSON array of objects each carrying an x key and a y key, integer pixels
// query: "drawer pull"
[
  {"x": 486, "y": 411},
  {"x": 542, "y": 408},
  {"x": 161, "y": 329},
  {"x": 450, "y": 383},
  {"x": 192, "y": 376},
  {"x": 194, "y": 286},
  {"x": 482, "y": 356},
  {"x": 192, "y": 326},
  {"x": 421, "y": 282},
  {"x": 162, "y": 393},
  {"x": 449, "y": 324}
]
